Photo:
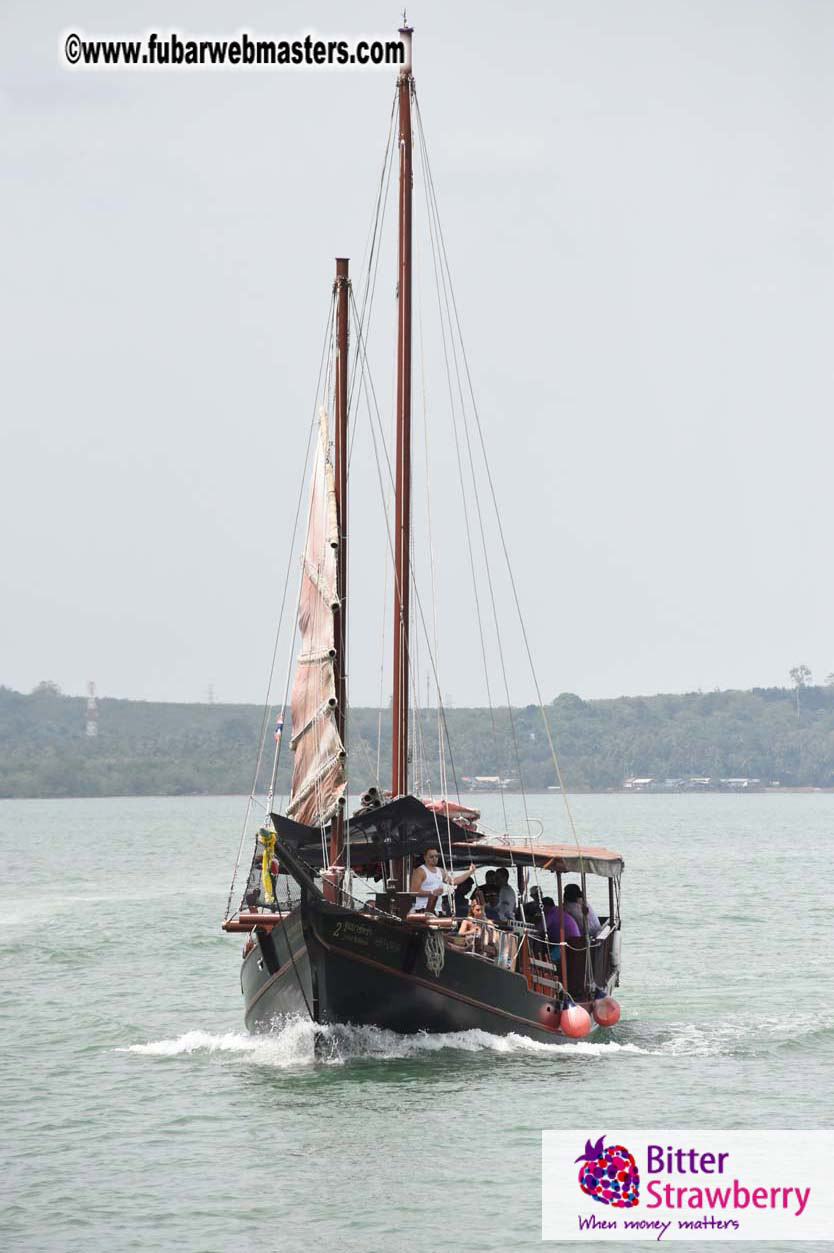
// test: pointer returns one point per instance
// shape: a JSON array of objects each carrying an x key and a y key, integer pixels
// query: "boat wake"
[
  {"x": 297, "y": 1042},
  {"x": 749, "y": 1036}
]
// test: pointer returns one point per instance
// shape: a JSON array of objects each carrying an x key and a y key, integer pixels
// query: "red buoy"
[
  {"x": 606, "y": 1011},
  {"x": 575, "y": 1021}
]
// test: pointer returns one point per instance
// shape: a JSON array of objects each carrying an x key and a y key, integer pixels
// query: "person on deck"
[
  {"x": 533, "y": 908},
  {"x": 553, "y": 920},
  {"x": 579, "y": 909},
  {"x": 462, "y": 897},
  {"x": 476, "y": 912},
  {"x": 491, "y": 902},
  {"x": 427, "y": 880},
  {"x": 506, "y": 895},
  {"x": 475, "y": 930}
]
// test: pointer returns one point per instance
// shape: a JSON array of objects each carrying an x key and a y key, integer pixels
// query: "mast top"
[{"x": 405, "y": 33}]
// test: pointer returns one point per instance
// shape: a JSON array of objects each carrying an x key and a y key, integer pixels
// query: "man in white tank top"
[{"x": 427, "y": 880}]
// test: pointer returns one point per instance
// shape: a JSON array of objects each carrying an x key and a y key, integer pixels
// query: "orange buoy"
[
  {"x": 606, "y": 1011},
  {"x": 575, "y": 1021}
]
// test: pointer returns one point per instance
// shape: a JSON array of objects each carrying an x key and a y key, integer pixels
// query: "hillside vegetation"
[{"x": 144, "y": 748}]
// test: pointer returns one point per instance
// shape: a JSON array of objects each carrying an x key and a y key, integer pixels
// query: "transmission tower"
[{"x": 92, "y": 711}]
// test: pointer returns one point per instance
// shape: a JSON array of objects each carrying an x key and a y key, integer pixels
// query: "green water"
[{"x": 138, "y": 1115}]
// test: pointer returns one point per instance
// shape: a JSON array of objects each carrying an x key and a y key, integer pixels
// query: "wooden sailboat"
[{"x": 320, "y": 952}]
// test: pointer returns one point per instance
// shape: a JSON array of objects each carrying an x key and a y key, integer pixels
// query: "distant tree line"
[{"x": 143, "y": 748}]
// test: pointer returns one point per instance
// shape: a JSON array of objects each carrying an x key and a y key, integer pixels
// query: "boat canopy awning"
[
  {"x": 562, "y": 858},
  {"x": 397, "y": 829},
  {"x": 405, "y": 826}
]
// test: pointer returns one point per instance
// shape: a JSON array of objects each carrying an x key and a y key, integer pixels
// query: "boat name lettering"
[
  {"x": 355, "y": 931},
  {"x": 360, "y": 933}
]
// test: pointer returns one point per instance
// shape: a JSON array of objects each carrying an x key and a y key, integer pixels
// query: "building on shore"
[{"x": 697, "y": 783}]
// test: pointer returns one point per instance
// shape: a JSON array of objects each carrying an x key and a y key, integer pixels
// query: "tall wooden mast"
[
  {"x": 402, "y": 517},
  {"x": 341, "y": 288}
]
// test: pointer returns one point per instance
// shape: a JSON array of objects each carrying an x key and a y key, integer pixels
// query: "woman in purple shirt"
[{"x": 554, "y": 919}]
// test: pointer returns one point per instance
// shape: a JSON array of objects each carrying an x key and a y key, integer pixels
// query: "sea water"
[{"x": 138, "y": 1114}]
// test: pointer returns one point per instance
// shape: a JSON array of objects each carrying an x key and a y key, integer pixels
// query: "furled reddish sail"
[{"x": 318, "y": 778}]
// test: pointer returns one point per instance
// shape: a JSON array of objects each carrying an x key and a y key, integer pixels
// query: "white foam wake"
[
  {"x": 194, "y": 1042},
  {"x": 293, "y": 1043}
]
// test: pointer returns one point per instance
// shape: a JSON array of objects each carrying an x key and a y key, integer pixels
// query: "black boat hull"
[
  {"x": 338, "y": 966},
  {"x": 276, "y": 978}
]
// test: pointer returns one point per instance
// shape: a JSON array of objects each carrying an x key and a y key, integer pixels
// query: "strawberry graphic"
[{"x": 609, "y": 1175}]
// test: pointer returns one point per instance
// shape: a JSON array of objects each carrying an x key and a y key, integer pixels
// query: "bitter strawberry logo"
[{"x": 609, "y": 1175}]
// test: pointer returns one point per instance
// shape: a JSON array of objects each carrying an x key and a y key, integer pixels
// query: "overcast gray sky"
[{"x": 637, "y": 200}]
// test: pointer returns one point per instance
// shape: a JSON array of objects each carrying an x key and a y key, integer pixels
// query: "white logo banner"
[{"x": 687, "y": 1185}]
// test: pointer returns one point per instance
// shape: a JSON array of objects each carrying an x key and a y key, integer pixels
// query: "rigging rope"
[
  {"x": 374, "y": 254},
  {"x": 267, "y": 706},
  {"x": 366, "y": 384},
  {"x": 432, "y": 563},
  {"x": 467, "y": 529},
  {"x": 497, "y": 512},
  {"x": 314, "y": 426}
]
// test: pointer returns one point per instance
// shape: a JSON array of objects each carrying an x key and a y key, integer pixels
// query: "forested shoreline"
[{"x": 144, "y": 748}]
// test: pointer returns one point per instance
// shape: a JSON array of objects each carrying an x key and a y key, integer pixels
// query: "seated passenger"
[
  {"x": 579, "y": 908},
  {"x": 469, "y": 926},
  {"x": 553, "y": 920},
  {"x": 491, "y": 903},
  {"x": 506, "y": 895},
  {"x": 476, "y": 929},
  {"x": 532, "y": 908}
]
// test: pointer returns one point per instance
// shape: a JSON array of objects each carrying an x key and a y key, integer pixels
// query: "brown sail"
[{"x": 318, "y": 779}]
